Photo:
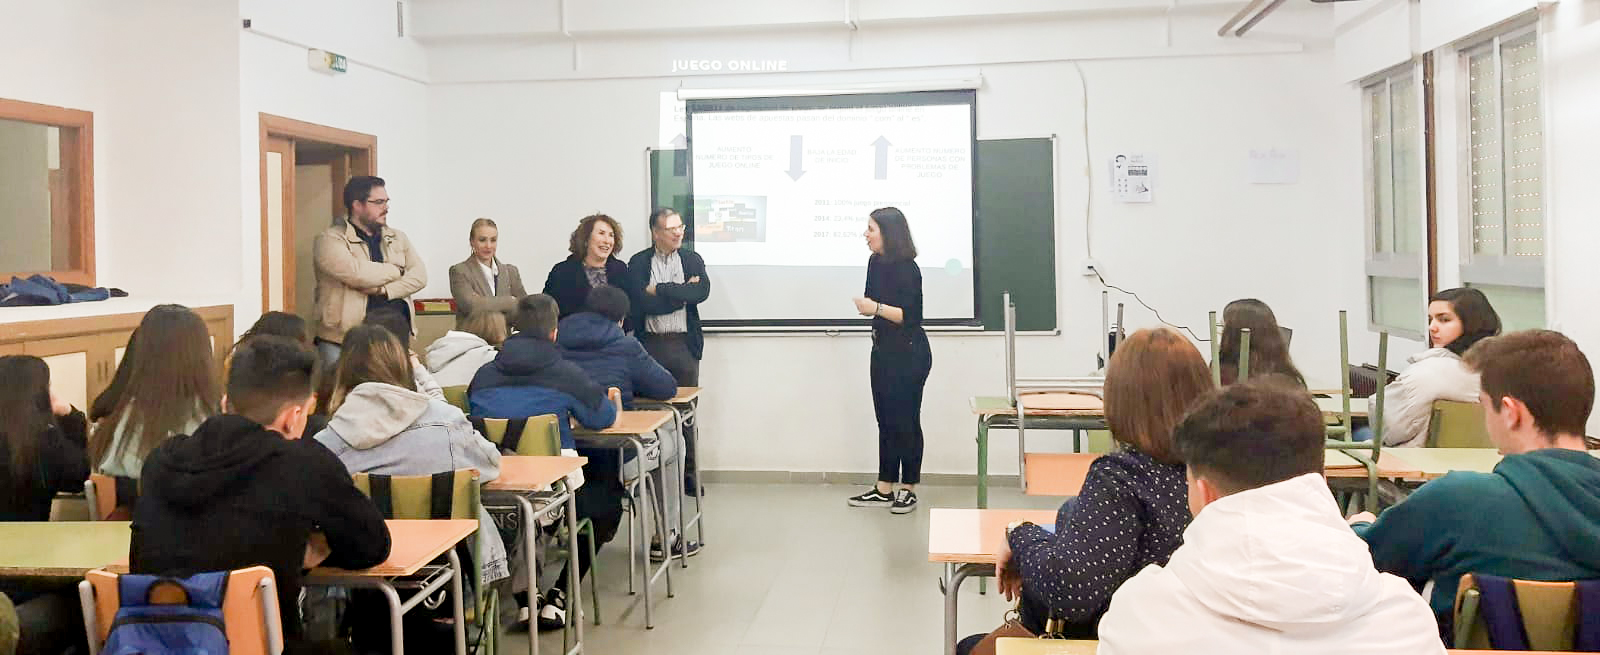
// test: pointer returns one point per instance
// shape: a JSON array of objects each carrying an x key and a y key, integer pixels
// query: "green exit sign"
[{"x": 328, "y": 62}]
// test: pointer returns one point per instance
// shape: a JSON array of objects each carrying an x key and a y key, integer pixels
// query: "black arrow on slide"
[
  {"x": 680, "y": 164},
  {"x": 796, "y": 151},
  {"x": 880, "y": 169}
]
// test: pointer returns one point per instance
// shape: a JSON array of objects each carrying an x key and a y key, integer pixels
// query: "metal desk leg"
[
  {"x": 457, "y": 603},
  {"x": 699, "y": 491},
  {"x": 952, "y": 593},
  {"x": 397, "y": 635},
  {"x": 574, "y": 584},
  {"x": 683, "y": 489},
  {"x": 531, "y": 568},
  {"x": 643, "y": 503},
  {"x": 983, "y": 461}
]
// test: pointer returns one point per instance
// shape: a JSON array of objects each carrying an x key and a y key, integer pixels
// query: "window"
[
  {"x": 1396, "y": 202},
  {"x": 1504, "y": 248},
  {"x": 46, "y": 192}
]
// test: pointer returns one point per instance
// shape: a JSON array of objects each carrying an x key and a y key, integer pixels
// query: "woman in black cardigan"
[
  {"x": 591, "y": 264},
  {"x": 901, "y": 359}
]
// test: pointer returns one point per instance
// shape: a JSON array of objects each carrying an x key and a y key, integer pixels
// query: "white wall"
[{"x": 547, "y": 152}]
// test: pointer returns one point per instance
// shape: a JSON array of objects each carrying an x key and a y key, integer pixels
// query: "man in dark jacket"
[
  {"x": 593, "y": 340},
  {"x": 667, "y": 284},
  {"x": 530, "y": 378},
  {"x": 245, "y": 490},
  {"x": 1537, "y": 516}
]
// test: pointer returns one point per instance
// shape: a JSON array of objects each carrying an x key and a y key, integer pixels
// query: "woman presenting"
[
  {"x": 482, "y": 282},
  {"x": 591, "y": 264},
  {"x": 900, "y": 359}
]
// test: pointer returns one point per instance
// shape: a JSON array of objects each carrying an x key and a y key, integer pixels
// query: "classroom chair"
[
  {"x": 249, "y": 610},
  {"x": 541, "y": 436},
  {"x": 457, "y": 395},
  {"x": 1339, "y": 436},
  {"x": 1457, "y": 424},
  {"x": 448, "y": 495},
  {"x": 108, "y": 496},
  {"x": 1496, "y": 613},
  {"x": 1060, "y": 403}
]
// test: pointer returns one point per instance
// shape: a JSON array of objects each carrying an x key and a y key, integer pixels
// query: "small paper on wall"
[
  {"x": 1133, "y": 177},
  {"x": 1274, "y": 166}
]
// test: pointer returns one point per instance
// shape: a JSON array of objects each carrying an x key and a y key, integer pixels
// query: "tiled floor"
[{"x": 791, "y": 570}]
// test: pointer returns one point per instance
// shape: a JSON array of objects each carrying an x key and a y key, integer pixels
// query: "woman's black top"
[{"x": 897, "y": 284}]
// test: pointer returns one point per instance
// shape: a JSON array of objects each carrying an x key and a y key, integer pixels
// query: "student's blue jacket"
[
  {"x": 613, "y": 359},
  {"x": 530, "y": 378}
]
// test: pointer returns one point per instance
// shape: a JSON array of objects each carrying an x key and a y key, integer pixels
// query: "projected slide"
[{"x": 782, "y": 197}]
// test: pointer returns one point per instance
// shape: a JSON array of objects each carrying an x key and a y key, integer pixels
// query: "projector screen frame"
[{"x": 957, "y": 96}]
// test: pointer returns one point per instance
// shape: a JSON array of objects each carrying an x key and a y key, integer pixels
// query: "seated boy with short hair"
[
  {"x": 245, "y": 490},
  {"x": 1268, "y": 565}
]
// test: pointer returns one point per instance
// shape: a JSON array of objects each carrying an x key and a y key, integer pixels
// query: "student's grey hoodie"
[{"x": 387, "y": 430}]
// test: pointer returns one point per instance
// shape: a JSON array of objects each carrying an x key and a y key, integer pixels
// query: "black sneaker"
[
  {"x": 678, "y": 548},
  {"x": 873, "y": 498},
  {"x": 905, "y": 500},
  {"x": 553, "y": 616}
]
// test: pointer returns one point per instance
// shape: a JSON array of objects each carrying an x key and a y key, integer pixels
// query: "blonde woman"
[{"x": 482, "y": 281}]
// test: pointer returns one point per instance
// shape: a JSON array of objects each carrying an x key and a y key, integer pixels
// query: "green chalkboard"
[{"x": 1015, "y": 224}]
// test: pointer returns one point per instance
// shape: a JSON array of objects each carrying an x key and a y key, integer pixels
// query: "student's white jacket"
[
  {"x": 455, "y": 357},
  {"x": 1434, "y": 374},
  {"x": 1269, "y": 570}
]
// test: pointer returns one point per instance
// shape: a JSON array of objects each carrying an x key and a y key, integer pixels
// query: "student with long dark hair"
[
  {"x": 901, "y": 359},
  {"x": 171, "y": 387},
  {"x": 1269, "y": 351},
  {"x": 1457, "y": 319}
]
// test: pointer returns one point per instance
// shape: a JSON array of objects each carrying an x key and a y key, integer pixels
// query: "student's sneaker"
[
  {"x": 524, "y": 615},
  {"x": 678, "y": 550},
  {"x": 553, "y": 616},
  {"x": 873, "y": 498},
  {"x": 905, "y": 500}
]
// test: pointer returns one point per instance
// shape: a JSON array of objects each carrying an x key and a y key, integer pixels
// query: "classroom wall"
[{"x": 549, "y": 150}]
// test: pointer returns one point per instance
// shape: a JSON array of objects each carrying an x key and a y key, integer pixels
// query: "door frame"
[{"x": 365, "y": 162}]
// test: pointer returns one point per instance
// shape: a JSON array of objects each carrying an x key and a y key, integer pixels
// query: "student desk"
[
  {"x": 524, "y": 476},
  {"x": 1333, "y": 408},
  {"x": 1057, "y": 474},
  {"x": 1339, "y": 464},
  {"x": 684, "y": 406},
  {"x": 631, "y": 430},
  {"x": 414, "y": 544},
  {"x": 61, "y": 549},
  {"x": 997, "y": 412},
  {"x": 1434, "y": 463},
  {"x": 967, "y": 542},
  {"x": 1022, "y": 646}
]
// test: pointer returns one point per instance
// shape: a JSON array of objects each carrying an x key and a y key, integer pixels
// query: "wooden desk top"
[
  {"x": 414, "y": 544},
  {"x": 685, "y": 396},
  {"x": 1434, "y": 463},
  {"x": 61, "y": 549},
  {"x": 1336, "y": 464},
  {"x": 972, "y": 536},
  {"x": 1334, "y": 407},
  {"x": 634, "y": 422},
  {"x": 1058, "y": 474},
  {"x": 532, "y": 473},
  {"x": 1000, "y": 406},
  {"x": 1021, "y": 646}
]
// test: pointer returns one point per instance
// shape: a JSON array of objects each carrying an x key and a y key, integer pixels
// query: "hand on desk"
[{"x": 317, "y": 550}]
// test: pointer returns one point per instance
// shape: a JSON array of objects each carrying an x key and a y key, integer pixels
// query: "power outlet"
[{"x": 1091, "y": 268}]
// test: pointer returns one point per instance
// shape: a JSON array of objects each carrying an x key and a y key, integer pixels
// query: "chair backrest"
[
  {"x": 535, "y": 435},
  {"x": 457, "y": 395},
  {"x": 1498, "y": 613},
  {"x": 1457, "y": 424},
  {"x": 106, "y": 495},
  {"x": 249, "y": 610},
  {"x": 447, "y": 495}
]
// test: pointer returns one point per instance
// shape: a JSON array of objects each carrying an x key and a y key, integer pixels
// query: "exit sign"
[{"x": 327, "y": 62}]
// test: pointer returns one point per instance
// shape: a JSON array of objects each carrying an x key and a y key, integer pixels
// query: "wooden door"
[{"x": 277, "y": 226}]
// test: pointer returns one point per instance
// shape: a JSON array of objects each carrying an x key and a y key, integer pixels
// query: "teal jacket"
[{"x": 1537, "y": 517}]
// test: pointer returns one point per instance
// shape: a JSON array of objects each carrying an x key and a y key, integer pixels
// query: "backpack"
[{"x": 191, "y": 626}]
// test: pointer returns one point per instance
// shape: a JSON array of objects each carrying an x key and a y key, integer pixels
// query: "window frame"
[
  {"x": 1390, "y": 264},
  {"x": 76, "y": 133}
]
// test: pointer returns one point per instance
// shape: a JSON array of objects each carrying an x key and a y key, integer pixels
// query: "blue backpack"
[{"x": 190, "y": 627}]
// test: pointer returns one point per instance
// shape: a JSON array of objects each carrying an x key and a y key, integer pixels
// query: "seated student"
[
  {"x": 41, "y": 454},
  {"x": 455, "y": 357},
  {"x": 593, "y": 340},
  {"x": 1457, "y": 319},
  {"x": 530, "y": 378},
  {"x": 1131, "y": 510},
  {"x": 1537, "y": 516},
  {"x": 482, "y": 281},
  {"x": 243, "y": 490},
  {"x": 1268, "y": 565},
  {"x": 168, "y": 385},
  {"x": 1269, "y": 352},
  {"x": 380, "y": 425},
  {"x": 397, "y": 325},
  {"x": 281, "y": 324}
]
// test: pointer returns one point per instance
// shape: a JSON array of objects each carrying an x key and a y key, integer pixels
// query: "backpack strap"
[
  {"x": 441, "y": 495},
  {"x": 480, "y": 425},
  {"x": 1588, "y": 638},
  {"x": 382, "y": 494},
  {"x": 1498, "y": 607},
  {"x": 206, "y": 589},
  {"x": 514, "y": 429}
]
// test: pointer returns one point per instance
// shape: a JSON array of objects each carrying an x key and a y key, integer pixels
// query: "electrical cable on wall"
[{"x": 1146, "y": 305}]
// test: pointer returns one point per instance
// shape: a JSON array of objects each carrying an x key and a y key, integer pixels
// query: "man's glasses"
[
  {"x": 679, "y": 229},
  {"x": 381, "y": 202}
]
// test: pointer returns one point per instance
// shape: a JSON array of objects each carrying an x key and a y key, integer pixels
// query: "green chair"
[
  {"x": 540, "y": 436},
  {"x": 457, "y": 395},
  {"x": 448, "y": 495},
  {"x": 1457, "y": 424},
  {"x": 1099, "y": 441},
  {"x": 1549, "y": 613}
]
